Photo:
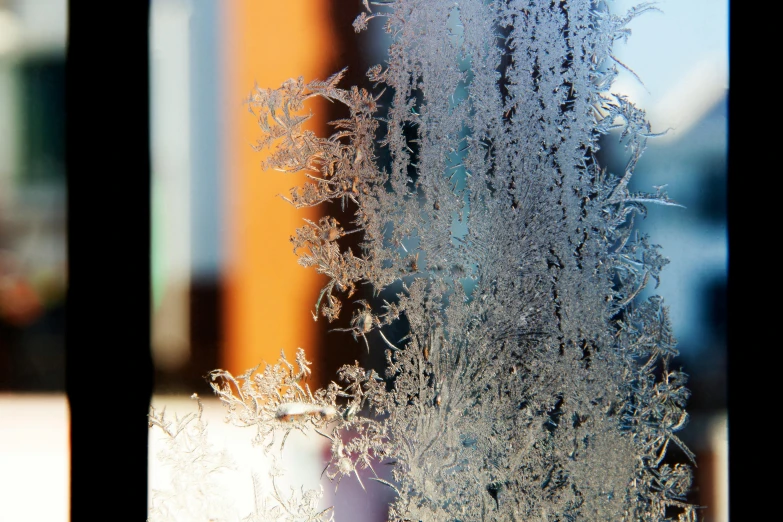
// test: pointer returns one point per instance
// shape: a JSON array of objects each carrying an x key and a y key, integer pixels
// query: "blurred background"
[
  {"x": 32, "y": 195},
  {"x": 227, "y": 291},
  {"x": 34, "y": 452}
]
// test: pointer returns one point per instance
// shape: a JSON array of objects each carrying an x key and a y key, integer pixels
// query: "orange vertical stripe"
[{"x": 268, "y": 296}]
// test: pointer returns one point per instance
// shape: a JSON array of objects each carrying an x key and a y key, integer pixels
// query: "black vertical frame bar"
[
  {"x": 752, "y": 328},
  {"x": 109, "y": 373}
]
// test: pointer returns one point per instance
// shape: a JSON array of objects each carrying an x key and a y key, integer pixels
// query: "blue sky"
[{"x": 681, "y": 56}]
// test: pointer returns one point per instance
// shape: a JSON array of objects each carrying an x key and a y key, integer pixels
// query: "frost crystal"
[{"x": 534, "y": 383}]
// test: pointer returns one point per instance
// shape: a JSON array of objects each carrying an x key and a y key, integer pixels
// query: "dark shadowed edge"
[{"x": 753, "y": 317}]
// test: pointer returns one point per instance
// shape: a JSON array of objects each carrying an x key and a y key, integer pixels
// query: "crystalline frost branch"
[{"x": 534, "y": 383}]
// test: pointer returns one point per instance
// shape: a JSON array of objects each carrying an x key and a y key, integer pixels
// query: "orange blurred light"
[{"x": 268, "y": 296}]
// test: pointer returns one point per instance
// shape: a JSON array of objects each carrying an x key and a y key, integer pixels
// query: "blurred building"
[
  {"x": 32, "y": 195},
  {"x": 33, "y": 426}
]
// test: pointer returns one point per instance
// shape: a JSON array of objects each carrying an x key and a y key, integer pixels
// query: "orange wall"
[{"x": 268, "y": 296}]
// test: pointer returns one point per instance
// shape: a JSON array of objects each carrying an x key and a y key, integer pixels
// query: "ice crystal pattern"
[{"x": 534, "y": 382}]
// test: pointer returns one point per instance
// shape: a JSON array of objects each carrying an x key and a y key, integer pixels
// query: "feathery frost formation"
[{"x": 534, "y": 383}]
